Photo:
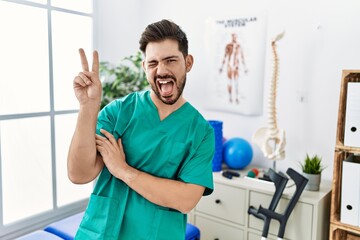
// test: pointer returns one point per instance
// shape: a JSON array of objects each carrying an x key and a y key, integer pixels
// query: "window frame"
[{"x": 26, "y": 225}]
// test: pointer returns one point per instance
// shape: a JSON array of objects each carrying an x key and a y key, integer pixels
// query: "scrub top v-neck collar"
[{"x": 156, "y": 118}]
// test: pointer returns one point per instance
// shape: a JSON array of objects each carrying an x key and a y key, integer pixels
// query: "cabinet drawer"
[
  {"x": 255, "y": 236},
  {"x": 225, "y": 202},
  {"x": 211, "y": 230},
  {"x": 299, "y": 225}
]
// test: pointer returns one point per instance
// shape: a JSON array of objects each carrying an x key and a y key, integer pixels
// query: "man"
[
  {"x": 153, "y": 150},
  {"x": 233, "y": 52}
]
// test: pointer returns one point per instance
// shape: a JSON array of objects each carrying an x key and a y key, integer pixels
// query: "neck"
[{"x": 165, "y": 110}]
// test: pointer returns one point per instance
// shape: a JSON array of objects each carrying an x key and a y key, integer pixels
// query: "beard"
[{"x": 179, "y": 85}]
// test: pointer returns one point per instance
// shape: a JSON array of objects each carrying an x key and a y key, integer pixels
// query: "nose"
[{"x": 162, "y": 69}]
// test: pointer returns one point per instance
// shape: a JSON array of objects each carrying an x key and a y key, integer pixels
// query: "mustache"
[{"x": 164, "y": 77}]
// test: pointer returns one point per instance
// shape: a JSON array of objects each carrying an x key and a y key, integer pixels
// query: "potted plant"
[
  {"x": 312, "y": 168},
  {"x": 122, "y": 79}
]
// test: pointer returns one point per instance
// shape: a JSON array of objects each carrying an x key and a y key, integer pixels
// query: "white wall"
[{"x": 321, "y": 39}]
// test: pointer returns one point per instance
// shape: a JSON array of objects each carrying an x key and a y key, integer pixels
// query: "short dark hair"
[{"x": 162, "y": 30}]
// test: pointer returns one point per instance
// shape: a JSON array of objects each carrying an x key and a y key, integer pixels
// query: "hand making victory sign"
[
  {"x": 87, "y": 85},
  {"x": 83, "y": 162}
]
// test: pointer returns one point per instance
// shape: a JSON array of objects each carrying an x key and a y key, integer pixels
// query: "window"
[{"x": 38, "y": 109}]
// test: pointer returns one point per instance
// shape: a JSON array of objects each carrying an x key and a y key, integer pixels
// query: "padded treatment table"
[
  {"x": 67, "y": 227},
  {"x": 39, "y": 235}
]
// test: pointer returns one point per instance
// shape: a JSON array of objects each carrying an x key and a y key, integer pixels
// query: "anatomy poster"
[{"x": 235, "y": 49}]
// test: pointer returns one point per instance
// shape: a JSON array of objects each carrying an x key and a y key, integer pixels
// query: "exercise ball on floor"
[{"x": 237, "y": 153}]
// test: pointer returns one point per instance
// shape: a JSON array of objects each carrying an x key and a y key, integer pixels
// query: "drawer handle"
[
  {"x": 216, "y": 238},
  {"x": 217, "y": 201}
]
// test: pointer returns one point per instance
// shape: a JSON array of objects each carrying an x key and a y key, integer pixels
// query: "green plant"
[
  {"x": 312, "y": 165},
  {"x": 122, "y": 79}
]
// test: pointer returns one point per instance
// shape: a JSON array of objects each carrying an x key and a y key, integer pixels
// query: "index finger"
[
  {"x": 84, "y": 62},
  {"x": 108, "y": 135},
  {"x": 95, "y": 65}
]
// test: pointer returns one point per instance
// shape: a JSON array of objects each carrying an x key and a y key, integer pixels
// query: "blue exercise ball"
[{"x": 237, "y": 153}]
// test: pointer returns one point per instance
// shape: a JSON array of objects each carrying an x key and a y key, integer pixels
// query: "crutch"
[
  {"x": 280, "y": 180},
  {"x": 300, "y": 183}
]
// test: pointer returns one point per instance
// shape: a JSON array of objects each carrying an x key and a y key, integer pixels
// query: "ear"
[
  {"x": 143, "y": 65},
  {"x": 144, "y": 69},
  {"x": 189, "y": 61}
]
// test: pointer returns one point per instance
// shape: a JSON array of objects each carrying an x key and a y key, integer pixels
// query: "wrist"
[
  {"x": 91, "y": 105},
  {"x": 128, "y": 174}
]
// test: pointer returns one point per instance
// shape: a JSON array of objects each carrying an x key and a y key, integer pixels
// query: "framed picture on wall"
[{"x": 235, "y": 48}]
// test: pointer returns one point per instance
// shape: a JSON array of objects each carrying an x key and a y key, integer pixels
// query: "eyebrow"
[{"x": 164, "y": 59}]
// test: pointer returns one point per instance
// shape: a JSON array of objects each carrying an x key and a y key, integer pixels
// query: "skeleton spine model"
[{"x": 271, "y": 139}]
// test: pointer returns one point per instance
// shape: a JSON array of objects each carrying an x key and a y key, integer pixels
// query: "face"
[{"x": 166, "y": 68}]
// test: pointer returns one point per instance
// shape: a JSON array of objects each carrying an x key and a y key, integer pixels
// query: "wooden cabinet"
[
  {"x": 223, "y": 215},
  {"x": 339, "y": 230}
]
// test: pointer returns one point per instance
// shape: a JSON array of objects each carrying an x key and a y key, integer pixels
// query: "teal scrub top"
[{"x": 179, "y": 147}]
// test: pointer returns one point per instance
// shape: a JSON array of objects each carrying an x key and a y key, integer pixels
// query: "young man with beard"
[{"x": 152, "y": 149}]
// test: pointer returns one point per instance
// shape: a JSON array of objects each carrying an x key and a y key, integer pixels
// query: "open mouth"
[{"x": 165, "y": 87}]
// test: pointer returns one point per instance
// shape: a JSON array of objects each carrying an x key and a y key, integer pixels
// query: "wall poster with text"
[{"x": 235, "y": 49}]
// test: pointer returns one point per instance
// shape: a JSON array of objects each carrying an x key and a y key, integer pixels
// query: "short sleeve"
[
  {"x": 107, "y": 117},
  {"x": 198, "y": 168}
]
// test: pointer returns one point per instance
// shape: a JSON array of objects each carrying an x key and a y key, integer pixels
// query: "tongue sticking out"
[{"x": 166, "y": 88}]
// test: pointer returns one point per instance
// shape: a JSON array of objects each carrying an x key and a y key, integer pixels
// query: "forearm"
[
  {"x": 83, "y": 164},
  {"x": 164, "y": 192}
]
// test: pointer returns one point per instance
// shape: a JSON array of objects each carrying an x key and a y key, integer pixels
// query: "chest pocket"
[{"x": 177, "y": 156}]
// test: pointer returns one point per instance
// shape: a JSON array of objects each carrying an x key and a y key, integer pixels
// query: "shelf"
[
  {"x": 344, "y": 231},
  {"x": 347, "y": 227},
  {"x": 339, "y": 230},
  {"x": 355, "y": 150},
  {"x": 347, "y": 76}
]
